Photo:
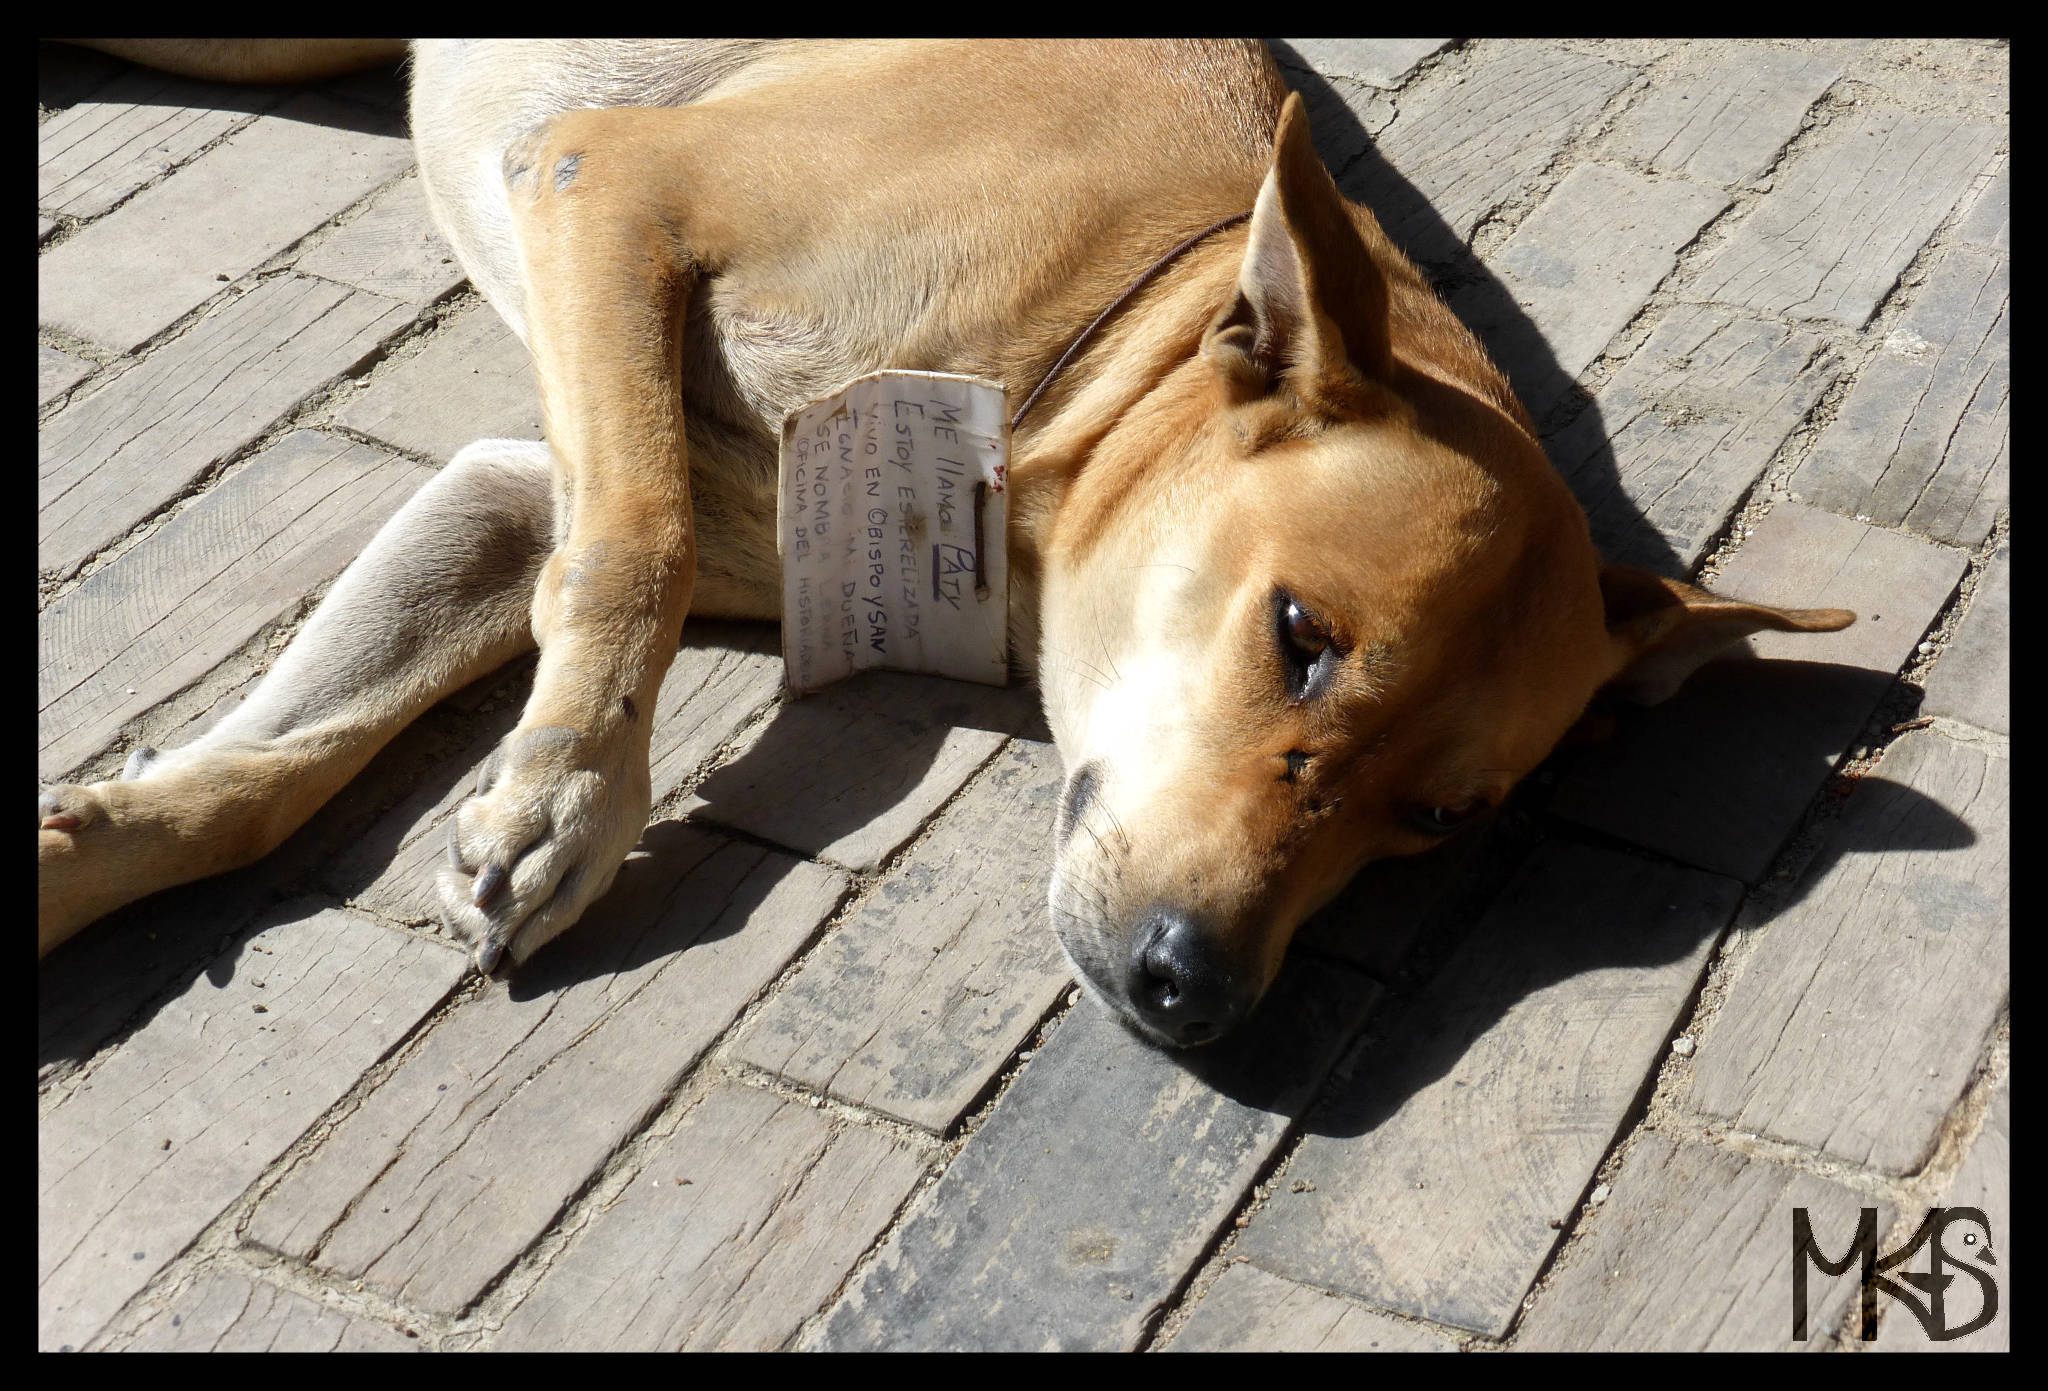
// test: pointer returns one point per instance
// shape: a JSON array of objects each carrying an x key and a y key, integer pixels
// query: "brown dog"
[{"x": 1299, "y": 584}]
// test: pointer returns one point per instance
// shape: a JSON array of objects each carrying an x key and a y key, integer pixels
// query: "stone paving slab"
[
  {"x": 1251, "y": 1311},
  {"x": 1676, "y": 439},
  {"x": 723, "y": 676},
  {"x": 1463, "y": 149},
  {"x": 130, "y": 445},
  {"x": 92, "y": 990},
  {"x": 472, "y": 381},
  {"x": 1885, "y": 976},
  {"x": 91, "y": 156},
  {"x": 738, "y": 1229},
  {"x": 1693, "y": 1253},
  {"x": 57, "y": 372},
  {"x": 1383, "y": 63},
  {"x": 171, "y": 1128},
  {"x": 1989, "y": 221},
  {"x": 1922, "y": 442},
  {"x": 1719, "y": 774},
  {"x": 1543, "y": 1024},
  {"x": 1721, "y": 116},
  {"x": 849, "y": 774},
  {"x": 719, "y": 680},
  {"x": 1067, "y": 1220},
  {"x": 919, "y": 998},
  {"x": 1848, "y": 212},
  {"x": 129, "y": 276},
  {"x": 223, "y": 1311},
  {"x": 390, "y": 248},
  {"x": 1984, "y": 1183},
  {"x": 464, "y": 1155},
  {"x": 1578, "y": 269},
  {"x": 242, "y": 557},
  {"x": 1973, "y": 679}
]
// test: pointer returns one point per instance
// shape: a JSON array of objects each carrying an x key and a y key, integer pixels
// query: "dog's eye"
[
  {"x": 1305, "y": 646},
  {"x": 1441, "y": 821}
]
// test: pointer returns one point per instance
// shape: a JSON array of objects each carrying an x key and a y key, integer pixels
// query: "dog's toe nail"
[
  {"x": 488, "y": 950},
  {"x": 487, "y": 884}
]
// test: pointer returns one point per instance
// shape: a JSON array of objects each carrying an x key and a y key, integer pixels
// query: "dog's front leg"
[{"x": 606, "y": 278}]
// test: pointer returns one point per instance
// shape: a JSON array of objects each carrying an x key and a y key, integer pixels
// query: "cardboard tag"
[{"x": 892, "y": 522}]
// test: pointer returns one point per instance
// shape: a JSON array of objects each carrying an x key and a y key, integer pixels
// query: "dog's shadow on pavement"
[
  {"x": 371, "y": 102},
  {"x": 1435, "y": 1019}
]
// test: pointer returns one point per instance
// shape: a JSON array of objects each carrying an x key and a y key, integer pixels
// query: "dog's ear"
[
  {"x": 1311, "y": 307},
  {"x": 1664, "y": 630}
]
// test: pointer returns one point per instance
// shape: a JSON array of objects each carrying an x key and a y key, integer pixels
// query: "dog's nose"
[{"x": 1178, "y": 982}]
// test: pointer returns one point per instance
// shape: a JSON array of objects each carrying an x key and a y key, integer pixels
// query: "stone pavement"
[{"x": 814, "y": 1074}]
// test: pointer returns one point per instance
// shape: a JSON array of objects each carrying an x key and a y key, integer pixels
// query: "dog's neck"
[{"x": 1157, "y": 330}]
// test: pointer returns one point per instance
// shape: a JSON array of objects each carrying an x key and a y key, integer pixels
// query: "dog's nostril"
[{"x": 1178, "y": 984}]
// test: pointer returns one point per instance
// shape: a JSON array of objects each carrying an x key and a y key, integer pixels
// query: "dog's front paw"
[{"x": 552, "y": 819}]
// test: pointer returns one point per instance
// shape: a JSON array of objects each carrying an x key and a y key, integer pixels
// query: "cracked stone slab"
[
  {"x": 1924, "y": 440},
  {"x": 1250, "y": 1311},
  {"x": 1343, "y": 114},
  {"x": 473, "y": 380},
  {"x": 57, "y": 372},
  {"x": 738, "y": 1228},
  {"x": 390, "y": 248},
  {"x": 239, "y": 559},
  {"x": 1985, "y": 1183},
  {"x": 1845, "y": 216},
  {"x": 132, "y": 274},
  {"x": 1480, "y": 1115},
  {"x": 1885, "y": 974},
  {"x": 1722, "y": 117},
  {"x": 1973, "y": 679},
  {"x": 125, "y": 448},
  {"x": 850, "y": 774},
  {"x": 1072, "y": 1215},
  {"x": 1383, "y": 63},
  {"x": 1719, "y": 775},
  {"x": 1693, "y": 1252},
  {"x": 1462, "y": 148},
  {"x": 1988, "y": 224},
  {"x": 224, "y": 1311},
  {"x": 1675, "y": 441},
  {"x": 915, "y": 1003},
  {"x": 466, "y": 1153},
  {"x": 177, "y": 1122},
  {"x": 136, "y": 128},
  {"x": 1577, "y": 270},
  {"x": 88, "y": 989},
  {"x": 722, "y": 675}
]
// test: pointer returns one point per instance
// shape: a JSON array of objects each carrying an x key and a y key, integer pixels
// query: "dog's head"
[{"x": 1318, "y": 599}]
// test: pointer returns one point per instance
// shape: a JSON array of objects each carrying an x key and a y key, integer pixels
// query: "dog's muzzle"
[{"x": 1179, "y": 985}]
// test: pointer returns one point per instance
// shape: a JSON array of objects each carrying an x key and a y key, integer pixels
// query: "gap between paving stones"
[
  {"x": 626, "y": 1164},
  {"x": 221, "y": 1236},
  {"x": 949, "y": 1150},
  {"x": 1517, "y": 835},
  {"x": 69, "y": 224},
  {"x": 1659, "y": 1111},
  {"x": 405, "y": 341}
]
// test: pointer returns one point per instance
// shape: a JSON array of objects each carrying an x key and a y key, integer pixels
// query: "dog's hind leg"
[{"x": 442, "y": 595}]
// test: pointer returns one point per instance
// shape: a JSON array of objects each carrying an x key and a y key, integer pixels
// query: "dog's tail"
[{"x": 252, "y": 60}]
